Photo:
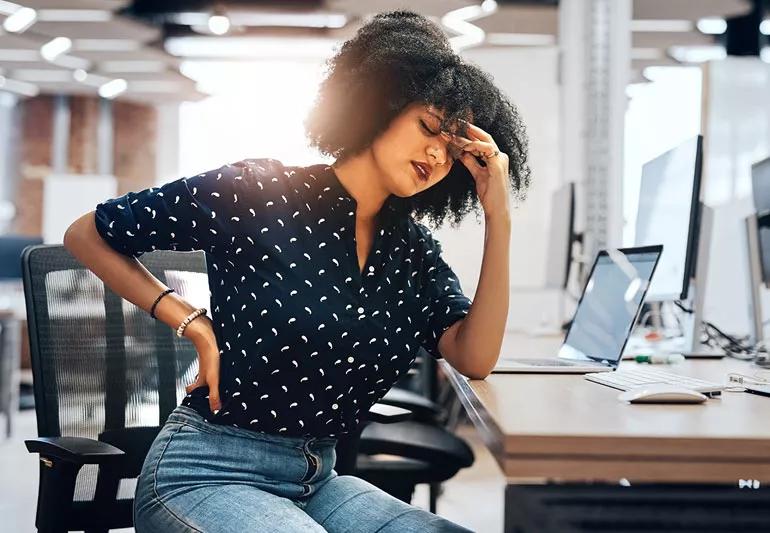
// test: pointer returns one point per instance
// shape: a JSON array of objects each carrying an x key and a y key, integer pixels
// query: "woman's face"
[{"x": 412, "y": 154}]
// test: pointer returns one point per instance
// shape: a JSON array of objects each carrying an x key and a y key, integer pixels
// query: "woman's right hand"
[{"x": 201, "y": 333}]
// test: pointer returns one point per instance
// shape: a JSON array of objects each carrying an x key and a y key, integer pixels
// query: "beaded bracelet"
[
  {"x": 152, "y": 309},
  {"x": 192, "y": 316}
]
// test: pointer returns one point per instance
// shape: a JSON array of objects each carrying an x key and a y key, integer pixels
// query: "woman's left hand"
[{"x": 491, "y": 180}]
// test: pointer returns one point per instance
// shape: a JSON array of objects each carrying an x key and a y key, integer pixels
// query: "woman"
[{"x": 323, "y": 286}]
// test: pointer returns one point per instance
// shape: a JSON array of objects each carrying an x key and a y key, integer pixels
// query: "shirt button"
[{"x": 360, "y": 310}]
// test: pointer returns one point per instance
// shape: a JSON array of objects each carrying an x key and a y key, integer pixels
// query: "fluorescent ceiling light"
[
  {"x": 160, "y": 86},
  {"x": 697, "y": 54},
  {"x": 132, "y": 66},
  {"x": 661, "y": 25},
  {"x": 55, "y": 47},
  {"x": 106, "y": 45},
  {"x": 41, "y": 75},
  {"x": 764, "y": 54},
  {"x": 712, "y": 26},
  {"x": 459, "y": 21},
  {"x": 15, "y": 54},
  {"x": 18, "y": 87},
  {"x": 71, "y": 62},
  {"x": 219, "y": 24},
  {"x": 20, "y": 20},
  {"x": 251, "y": 18},
  {"x": 74, "y": 15},
  {"x": 251, "y": 47},
  {"x": 764, "y": 27},
  {"x": 113, "y": 88},
  {"x": 8, "y": 8},
  {"x": 520, "y": 39},
  {"x": 80, "y": 75}
]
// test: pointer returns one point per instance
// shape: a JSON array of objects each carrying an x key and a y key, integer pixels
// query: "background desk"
[{"x": 564, "y": 429}]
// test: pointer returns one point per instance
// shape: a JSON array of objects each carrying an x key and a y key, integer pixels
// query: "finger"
[
  {"x": 214, "y": 402},
  {"x": 194, "y": 385},
  {"x": 471, "y": 163},
  {"x": 478, "y": 132},
  {"x": 484, "y": 149}
]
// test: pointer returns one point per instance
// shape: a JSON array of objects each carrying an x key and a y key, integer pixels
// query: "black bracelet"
[{"x": 152, "y": 309}]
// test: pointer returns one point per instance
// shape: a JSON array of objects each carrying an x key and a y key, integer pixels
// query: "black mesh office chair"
[{"x": 106, "y": 377}]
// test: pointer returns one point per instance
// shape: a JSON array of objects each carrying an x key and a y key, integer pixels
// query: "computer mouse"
[{"x": 662, "y": 393}]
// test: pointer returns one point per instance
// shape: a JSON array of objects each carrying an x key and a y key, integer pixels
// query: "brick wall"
[{"x": 135, "y": 133}]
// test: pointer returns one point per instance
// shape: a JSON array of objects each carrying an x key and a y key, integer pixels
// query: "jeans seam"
[
  {"x": 407, "y": 511},
  {"x": 155, "y": 482},
  {"x": 354, "y": 496}
]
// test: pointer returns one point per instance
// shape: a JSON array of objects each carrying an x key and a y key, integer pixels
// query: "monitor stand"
[
  {"x": 755, "y": 278},
  {"x": 692, "y": 323}
]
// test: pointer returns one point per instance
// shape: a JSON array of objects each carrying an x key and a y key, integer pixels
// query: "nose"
[{"x": 439, "y": 153}]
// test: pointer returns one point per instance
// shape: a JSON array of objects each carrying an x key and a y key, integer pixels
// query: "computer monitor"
[
  {"x": 561, "y": 237},
  {"x": 760, "y": 182},
  {"x": 670, "y": 214},
  {"x": 11, "y": 247}
]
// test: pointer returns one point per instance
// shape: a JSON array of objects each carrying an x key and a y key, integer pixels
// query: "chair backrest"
[{"x": 103, "y": 368}]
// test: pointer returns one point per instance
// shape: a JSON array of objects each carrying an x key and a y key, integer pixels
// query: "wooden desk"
[{"x": 562, "y": 428}]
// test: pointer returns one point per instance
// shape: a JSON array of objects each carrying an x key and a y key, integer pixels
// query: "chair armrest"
[
  {"x": 76, "y": 450},
  {"x": 387, "y": 414}
]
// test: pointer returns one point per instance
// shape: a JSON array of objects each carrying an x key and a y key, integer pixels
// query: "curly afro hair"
[{"x": 399, "y": 58}]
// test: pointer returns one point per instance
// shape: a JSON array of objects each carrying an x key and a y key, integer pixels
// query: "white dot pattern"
[{"x": 308, "y": 341}]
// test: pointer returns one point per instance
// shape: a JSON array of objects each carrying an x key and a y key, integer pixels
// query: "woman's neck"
[{"x": 360, "y": 177}]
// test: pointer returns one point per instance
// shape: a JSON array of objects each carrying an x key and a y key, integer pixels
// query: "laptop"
[{"x": 604, "y": 317}]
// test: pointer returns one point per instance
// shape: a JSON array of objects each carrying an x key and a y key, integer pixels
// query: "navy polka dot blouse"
[{"x": 308, "y": 341}]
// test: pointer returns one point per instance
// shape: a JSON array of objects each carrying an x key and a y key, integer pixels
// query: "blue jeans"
[{"x": 207, "y": 477}]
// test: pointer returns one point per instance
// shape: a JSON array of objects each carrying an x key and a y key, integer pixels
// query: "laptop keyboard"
[{"x": 631, "y": 379}]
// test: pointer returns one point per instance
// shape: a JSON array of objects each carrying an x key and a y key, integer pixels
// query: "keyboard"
[{"x": 631, "y": 379}]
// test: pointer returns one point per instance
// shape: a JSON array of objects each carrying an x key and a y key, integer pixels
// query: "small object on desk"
[
  {"x": 756, "y": 388},
  {"x": 662, "y": 393},
  {"x": 660, "y": 358}
]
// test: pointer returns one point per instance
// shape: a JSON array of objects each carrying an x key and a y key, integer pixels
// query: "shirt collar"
[{"x": 343, "y": 202}]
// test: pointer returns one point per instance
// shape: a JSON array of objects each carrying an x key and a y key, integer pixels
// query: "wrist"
[{"x": 200, "y": 330}]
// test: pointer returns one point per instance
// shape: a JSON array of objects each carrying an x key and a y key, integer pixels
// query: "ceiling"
[{"x": 132, "y": 41}]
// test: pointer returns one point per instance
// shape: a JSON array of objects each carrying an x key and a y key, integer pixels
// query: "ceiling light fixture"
[
  {"x": 55, "y": 47},
  {"x": 712, "y": 26},
  {"x": 459, "y": 21},
  {"x": 764, "y": 27},
  {"x": 113, "y": 88},
  {"x": 662, "y": 25},
  {"x": 74, "y": 15},
  {"x": 20, "y": 20},
  {"x": 218, "y": 23},
  {"x": 18, "y": 87}
]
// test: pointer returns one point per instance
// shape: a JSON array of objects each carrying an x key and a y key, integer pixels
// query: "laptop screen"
[{"x": 611, "y": 300}]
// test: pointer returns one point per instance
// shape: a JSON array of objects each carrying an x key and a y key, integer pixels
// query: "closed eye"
[{"x": 427, "y": 129}]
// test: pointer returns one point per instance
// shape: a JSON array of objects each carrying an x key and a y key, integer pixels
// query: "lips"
[{"x": 423, "y": 170}]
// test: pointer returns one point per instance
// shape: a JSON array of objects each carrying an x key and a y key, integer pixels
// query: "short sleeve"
[
  {"x": 448, "y": 303},
  {"x": 201, "y": 212}
]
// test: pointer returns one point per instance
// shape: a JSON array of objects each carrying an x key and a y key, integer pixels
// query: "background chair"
[{"x": 106, "y": 377}]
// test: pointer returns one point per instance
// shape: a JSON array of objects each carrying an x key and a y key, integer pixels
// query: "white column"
[{"x": 595, "y": 45}]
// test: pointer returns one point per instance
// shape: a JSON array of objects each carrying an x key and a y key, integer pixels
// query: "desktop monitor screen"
[
  {"x": 610, "y": 303},
  {"x": 760, "y": 181},
  {"x": 668, "y": 214},
  {"x": 561, "y": 235},
  {"x": 11, "y": 247}
]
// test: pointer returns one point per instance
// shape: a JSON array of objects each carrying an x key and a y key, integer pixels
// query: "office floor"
[{"x": 473, "y": 498}]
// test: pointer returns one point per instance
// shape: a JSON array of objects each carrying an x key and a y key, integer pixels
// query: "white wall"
[{"x": 529, "y": 78}]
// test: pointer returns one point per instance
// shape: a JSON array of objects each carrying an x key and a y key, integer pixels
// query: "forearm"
[
  {"x": 126, "y": 276},
  {"x": 480, "y": 335}
]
